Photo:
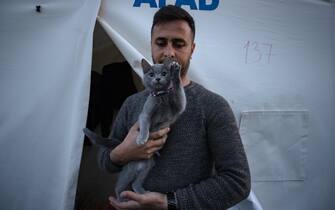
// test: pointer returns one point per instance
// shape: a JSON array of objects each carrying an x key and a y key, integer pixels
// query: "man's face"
[{"x": 175, "y": 40}]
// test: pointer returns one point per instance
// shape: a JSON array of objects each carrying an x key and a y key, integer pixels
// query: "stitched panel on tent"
[{"x": 275, "y": 143}]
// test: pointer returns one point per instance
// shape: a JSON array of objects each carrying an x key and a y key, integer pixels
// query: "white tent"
[{"x": 272, "y": 60}]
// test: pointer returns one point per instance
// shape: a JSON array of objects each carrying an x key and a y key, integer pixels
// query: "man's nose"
[{"x": 169, "y": 51}]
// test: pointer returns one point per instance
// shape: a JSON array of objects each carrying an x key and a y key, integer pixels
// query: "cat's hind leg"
[
  {"x": 125, "y": 177},
  {"x": 137, "y": 184}
]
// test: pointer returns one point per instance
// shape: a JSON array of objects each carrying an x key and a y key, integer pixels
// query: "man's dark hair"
[{"x": 171, "y": 13}]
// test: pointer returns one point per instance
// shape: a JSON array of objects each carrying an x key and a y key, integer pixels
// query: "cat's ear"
[{"x": 145, "y": 66}]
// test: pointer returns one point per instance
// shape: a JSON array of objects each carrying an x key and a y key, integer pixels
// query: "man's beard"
[{"x": 184, "y": 69}]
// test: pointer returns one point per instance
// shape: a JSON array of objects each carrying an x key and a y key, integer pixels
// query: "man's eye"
[
  {"x": 160, "y": 43},
  {"x": 178, "y": 44}
]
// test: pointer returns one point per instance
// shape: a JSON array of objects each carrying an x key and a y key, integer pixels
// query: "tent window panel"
[{"x": 275, "y": 143}]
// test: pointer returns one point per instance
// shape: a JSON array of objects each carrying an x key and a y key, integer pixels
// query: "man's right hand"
[{"x": 128, "y": 150}]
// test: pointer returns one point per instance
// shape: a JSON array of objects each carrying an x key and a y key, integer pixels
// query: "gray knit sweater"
[{"x": 204, "y": 137}]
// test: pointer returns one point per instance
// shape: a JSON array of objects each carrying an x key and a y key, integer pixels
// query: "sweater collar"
[{"x": 161, "y": 92}]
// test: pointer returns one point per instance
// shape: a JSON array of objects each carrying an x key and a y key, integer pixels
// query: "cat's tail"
[{"x": 100, "y": 141}]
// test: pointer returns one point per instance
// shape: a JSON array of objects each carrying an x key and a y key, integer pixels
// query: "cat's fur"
[{"x": 164, "y": 104}]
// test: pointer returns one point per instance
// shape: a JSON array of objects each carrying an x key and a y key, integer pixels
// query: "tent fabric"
[
  {"x": 273, "y": 61},
  {"x": 44, "y": 87}
]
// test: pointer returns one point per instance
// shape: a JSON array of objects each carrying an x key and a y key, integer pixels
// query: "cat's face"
[{"x": 156, "y": 77}]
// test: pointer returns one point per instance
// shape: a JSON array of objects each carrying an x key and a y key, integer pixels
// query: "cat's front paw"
[
  {"x": 140, "y": 140},
  {"x": 175, "y": 69},
  {"x": 175, "y": 66}
]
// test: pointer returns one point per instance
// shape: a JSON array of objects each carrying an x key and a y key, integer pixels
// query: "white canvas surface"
[
  {"x": 45, "y": 63},
  {"x": 264, "y": 57}
]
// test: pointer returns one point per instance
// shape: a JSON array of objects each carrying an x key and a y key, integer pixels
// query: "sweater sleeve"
[
  {"x": 231, "y": 182},
  {"x": 119, "y": 131}
]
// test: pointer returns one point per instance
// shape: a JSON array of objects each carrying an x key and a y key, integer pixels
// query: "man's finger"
[
  {"x": 113, "y": 202},
  {"x": 156, "y": 143},
  {"x": 132, "y": 196},
  {"x": 154, "y": 149},
  {"x": 131, "y": 204},
  {"x": 160, "y": 133}
]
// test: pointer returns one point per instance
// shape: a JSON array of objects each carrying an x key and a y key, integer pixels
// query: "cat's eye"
[
  {"x": 151, "y": 74},
  {"x": 163, "y": 73}
]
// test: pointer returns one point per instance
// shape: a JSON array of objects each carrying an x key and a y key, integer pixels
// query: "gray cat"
[{"x": 164, "y": 104}]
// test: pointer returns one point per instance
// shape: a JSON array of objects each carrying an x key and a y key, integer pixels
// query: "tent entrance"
[{"x": 112, "y": 80}]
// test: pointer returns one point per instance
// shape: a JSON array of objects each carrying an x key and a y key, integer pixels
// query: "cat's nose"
[{"x": 158, "y": 79}]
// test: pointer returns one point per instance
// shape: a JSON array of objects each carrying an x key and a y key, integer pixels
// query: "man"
[{"x": 203, "y": 137}]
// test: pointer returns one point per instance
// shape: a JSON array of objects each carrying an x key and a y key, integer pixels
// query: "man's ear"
[
  {"x": 192, "y": 48},
  {"x": 145, "y": 66}
]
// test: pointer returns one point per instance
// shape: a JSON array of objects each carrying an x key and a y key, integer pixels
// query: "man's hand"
[
  {"x": 146, "y": 201},
  {"x": 128, "y": 150}
]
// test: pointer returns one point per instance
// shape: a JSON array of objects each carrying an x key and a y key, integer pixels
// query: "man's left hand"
[{"x": 149, "y": 200}]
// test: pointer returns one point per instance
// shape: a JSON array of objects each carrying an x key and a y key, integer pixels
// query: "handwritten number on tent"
[{"x": 257, "y": 52}]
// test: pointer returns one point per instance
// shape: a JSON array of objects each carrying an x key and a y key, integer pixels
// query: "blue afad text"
[{"x": 202, "y": 4}]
